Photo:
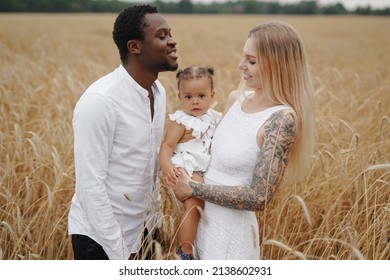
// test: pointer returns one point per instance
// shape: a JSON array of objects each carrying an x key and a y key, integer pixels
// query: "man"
[{"x": 118, "y": 125}]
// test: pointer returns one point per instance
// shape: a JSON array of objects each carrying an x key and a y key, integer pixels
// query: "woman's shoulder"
[
  {"x": 282, "y": 116},
  {"x": 233, "y": 97},
  {"x": 282, "y": 120},
  {"x": 285, "y": 110}
]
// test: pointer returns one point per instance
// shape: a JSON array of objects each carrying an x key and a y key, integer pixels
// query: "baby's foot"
[{"x": 184, "y": 256}]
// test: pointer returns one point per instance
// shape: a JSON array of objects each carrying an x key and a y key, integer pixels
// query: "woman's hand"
[{"x": 182, "y": 189}]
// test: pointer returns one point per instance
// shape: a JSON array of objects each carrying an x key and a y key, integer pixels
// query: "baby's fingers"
[
  {"x": 176, "y": 171},
  {"x": 172, "y": 178}
]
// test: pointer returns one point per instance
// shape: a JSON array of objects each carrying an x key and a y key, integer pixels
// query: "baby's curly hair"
[
  {"x": 195, "y": 72},
  {"x": 129, "y": 26}
]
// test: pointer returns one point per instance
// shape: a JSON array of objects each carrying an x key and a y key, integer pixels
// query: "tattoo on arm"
[{"x": 280, "y": 133}]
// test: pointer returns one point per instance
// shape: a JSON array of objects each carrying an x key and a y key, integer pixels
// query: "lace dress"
[
  {"x": 194, "y": 155},
  {"x": 225, "y": 233}
]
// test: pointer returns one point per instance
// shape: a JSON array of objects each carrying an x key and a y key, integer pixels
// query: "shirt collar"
[{"x": 134, "y": 83}]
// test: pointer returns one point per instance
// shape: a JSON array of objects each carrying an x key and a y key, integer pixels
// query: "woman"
[{"x": 265, "y": 137}]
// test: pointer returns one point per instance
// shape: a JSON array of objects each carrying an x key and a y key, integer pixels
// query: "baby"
[{"x": 186, "y": 145}]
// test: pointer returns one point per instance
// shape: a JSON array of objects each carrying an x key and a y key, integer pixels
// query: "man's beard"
[{"x": 167, "y": 67}]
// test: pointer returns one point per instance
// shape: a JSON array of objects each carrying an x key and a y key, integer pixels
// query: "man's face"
[{"x": 158, "y": 51}]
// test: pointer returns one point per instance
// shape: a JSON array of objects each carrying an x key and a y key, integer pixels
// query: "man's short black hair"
[{"x": 129, "y": 26}]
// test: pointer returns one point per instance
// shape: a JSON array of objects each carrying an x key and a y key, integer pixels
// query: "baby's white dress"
[{"x": 194, "y": 155}]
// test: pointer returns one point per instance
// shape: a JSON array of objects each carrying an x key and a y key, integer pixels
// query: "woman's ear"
[{"x": 134, "y": 46}]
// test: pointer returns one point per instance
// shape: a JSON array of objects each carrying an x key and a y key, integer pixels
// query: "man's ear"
[{"x": 134, "y": 46}]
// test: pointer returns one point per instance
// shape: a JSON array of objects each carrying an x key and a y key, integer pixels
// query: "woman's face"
[{"x": 249, "y": 65}]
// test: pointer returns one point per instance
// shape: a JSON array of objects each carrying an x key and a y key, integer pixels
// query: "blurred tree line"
[{"x": 187, "y": 7}]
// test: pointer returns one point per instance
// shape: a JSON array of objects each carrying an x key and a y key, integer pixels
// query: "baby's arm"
[{"x": 173, "y": 135}]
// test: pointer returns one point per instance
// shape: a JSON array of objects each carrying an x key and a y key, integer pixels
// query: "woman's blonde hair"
[{"x": 286, "y": 80}]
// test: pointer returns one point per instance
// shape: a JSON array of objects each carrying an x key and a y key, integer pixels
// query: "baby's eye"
[
  {"x": 187, "y": 97},
  {"x": 202, "y": 96}
]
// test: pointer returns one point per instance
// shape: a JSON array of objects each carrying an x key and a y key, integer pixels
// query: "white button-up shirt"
[{"x": 116, "y": 152}]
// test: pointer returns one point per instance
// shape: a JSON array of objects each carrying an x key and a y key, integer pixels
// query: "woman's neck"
[{"x": 257, "y": 102}]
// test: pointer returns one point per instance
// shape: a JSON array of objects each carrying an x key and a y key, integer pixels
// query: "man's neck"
[{"x": 144, "y": 78}]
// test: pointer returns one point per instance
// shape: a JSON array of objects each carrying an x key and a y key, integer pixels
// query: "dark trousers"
[{"x": 85, "y": 248}]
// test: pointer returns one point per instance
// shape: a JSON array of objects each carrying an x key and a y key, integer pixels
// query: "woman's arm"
[{"x": 279, "y": 136}]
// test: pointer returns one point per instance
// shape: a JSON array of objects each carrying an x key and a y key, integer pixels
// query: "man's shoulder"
[{"x": 105, "y": 83}]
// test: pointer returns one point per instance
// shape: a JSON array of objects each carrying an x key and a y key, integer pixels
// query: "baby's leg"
[{"x": 189, "y": 222}]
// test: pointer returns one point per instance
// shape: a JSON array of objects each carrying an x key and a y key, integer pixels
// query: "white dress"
[
  {"x": 194, "y": 155},
  {"x": 225, "y": 233}
]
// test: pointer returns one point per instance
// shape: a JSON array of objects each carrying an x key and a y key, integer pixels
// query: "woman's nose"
[{"x": 241, "y": 65}]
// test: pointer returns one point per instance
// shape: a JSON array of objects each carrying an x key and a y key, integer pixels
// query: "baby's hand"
[{"x": 170, "y": 175}]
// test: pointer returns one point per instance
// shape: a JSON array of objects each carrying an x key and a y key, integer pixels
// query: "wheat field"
[{"x": 342, "y": 210}]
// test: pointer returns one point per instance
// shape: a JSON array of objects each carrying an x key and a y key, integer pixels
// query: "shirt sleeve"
[{"x": 94, "y": 126}]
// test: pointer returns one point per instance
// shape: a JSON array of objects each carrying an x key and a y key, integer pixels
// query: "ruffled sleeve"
[
  {"x": 215, "y": 116},
  {"x": 199, "y": 125}
]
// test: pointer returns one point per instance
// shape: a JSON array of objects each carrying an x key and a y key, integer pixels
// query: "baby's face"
[{"x": 196, "y": 96}]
